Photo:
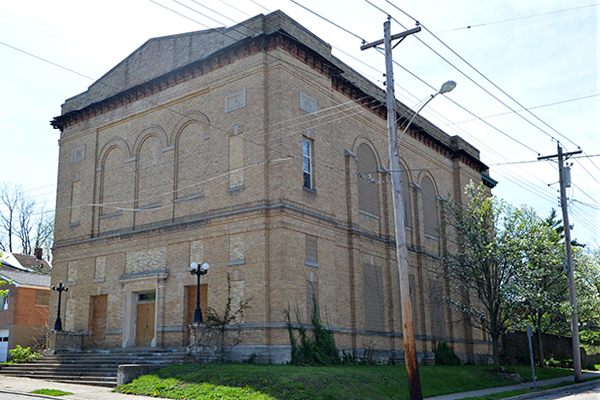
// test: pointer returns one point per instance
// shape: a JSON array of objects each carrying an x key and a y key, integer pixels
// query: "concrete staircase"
[{"x": 92, "y": 367}]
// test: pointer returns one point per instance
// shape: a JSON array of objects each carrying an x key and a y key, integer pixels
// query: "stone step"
[
  {"x": 91, "y": 367},
  {"x": 40, "y": 363},
  {"x": 74, "y": 374}
]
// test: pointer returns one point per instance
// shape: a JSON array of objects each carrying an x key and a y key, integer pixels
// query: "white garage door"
[{"x": 3, "y": 345}]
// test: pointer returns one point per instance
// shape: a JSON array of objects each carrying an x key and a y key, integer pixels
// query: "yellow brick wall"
[{"x": 196, "y": 174}]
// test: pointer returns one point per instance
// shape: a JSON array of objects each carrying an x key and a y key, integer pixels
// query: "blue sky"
[{"x": 543, "y": 54}]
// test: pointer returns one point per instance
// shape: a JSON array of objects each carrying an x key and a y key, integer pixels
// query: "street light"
[
  {"x": 199, "y": 271},
  {"x": 60, "y": 288},
  {"x": 446, "y": 87}
]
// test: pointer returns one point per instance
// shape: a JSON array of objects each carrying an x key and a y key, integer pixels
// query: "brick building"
[
  {"x": 251, "y": 148},
  {"x": 24, "y": 309}
]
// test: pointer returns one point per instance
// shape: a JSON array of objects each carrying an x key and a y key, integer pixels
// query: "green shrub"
[
  {"x": 444, "y": 355},
  {"x": 591, "y": 338},
  {"x": 20, "y": 354}
]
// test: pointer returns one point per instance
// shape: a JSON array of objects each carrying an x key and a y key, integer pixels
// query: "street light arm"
[
  {"x": 415, "y": 115},
  {"x": 446, "y": 88}
]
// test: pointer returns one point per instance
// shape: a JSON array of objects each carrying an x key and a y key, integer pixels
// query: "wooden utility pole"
[
  {"x": 408, "y": 326},
  {"x": 571, "y": 276}
]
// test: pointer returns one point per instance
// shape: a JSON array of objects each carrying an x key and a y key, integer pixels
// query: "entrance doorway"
[{"x": 145, "y": 317}]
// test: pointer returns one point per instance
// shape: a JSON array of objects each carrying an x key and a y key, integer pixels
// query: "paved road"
[
  {"x": 589, "y": 391},
  {"x": 12, "y": 396}
]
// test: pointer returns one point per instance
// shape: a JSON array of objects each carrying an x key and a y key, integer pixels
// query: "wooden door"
[
  {"x": 99, "y": 307},
  {"x": 144, "y": 327}
]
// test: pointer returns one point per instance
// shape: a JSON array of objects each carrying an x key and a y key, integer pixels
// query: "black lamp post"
[
  {"x": 60, "y": 288},
  {"x": 199, "y": 271}
]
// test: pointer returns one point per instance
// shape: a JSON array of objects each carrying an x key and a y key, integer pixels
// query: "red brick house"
[{"x": 24, "y": 311}]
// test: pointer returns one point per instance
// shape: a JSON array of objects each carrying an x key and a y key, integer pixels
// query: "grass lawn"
[
  {"x": 284, "y": 382},
  {"x": 50, "y": 392}
]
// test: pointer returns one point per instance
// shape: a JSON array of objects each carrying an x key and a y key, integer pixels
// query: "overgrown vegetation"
[
  {"x": 230, "y": 315},
  {"x": 20, "y": 354},
  {"x": 286, "y": 382},
  {"x": 444, "y": 355},
  {"x": 320, "y": 349}
]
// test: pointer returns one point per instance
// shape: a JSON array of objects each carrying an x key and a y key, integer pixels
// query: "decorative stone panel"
[{"x": 146, "y": 260}]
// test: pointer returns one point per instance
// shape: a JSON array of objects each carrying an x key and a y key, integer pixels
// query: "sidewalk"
[
  {"x": 525, "y": 385},
  {"x": 83, "y": 392},
  {"x": 9, "y": 384}
]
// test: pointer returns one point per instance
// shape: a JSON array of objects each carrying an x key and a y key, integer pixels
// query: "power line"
[
  {"x": 484, "y": 77},
  {"x": 205, "y": 25},
  {"x": 518, "y": 18},
  {"x": 46, "y": 61},
  {"x": 531, "y": 108},
  {"x": 521, "y": 183}
]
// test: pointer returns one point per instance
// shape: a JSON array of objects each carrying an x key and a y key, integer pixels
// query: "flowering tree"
[{"x": 484, "y": 255}]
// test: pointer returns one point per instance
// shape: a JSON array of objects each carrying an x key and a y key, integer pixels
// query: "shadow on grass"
[{"x": 245, "y": 381}]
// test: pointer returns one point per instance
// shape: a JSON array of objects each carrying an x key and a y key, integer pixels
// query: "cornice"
[{"x": 279, "y": 40}]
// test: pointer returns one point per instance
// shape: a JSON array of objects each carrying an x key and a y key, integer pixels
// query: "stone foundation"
[
  {"x": 205, "y": 342},
  {"x": 64, "y": 340},
  {"x": 126, "y": 373}
]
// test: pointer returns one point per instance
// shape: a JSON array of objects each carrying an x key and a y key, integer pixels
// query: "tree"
[
  {"x": 557, "y": 225},
  {"x": 24, "y": 221},
  {"x": 540, "y": 284},
  {"x": 587, "y": 281},
  {"x": 483, "y": 260},
  {"x": 3, "y": 293},
  {"x": 10, "y": 197}
]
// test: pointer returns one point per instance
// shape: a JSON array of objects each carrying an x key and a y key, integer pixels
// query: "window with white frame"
[
  {"x": 307, "y": 168},
  {"x": 4, "y": 302}
]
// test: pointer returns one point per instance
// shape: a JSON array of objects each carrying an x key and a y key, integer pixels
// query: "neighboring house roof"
[
  {"x": 25, "y": 278},
  {"x": 24, "y": 262}
]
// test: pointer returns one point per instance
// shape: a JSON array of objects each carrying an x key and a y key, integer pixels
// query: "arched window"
[
  {"x": 192, "y": 161},
  {"x": 114, "y": 189},
  {"x": 368, "y": 188},
  {"x": 153, "y": 177},
  {"x": 430, "y": 209}
]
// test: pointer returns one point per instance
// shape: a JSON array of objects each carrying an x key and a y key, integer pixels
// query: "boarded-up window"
[
  {"x": 192, "y": 294},
  {"x": 116, "y": 190},
  {"x": 191, "y": 153},
  {"x": 72, "y": 272},
  {"x": 42, "y": 298},
  {"x": 100, "y": 268},
  {"x": 406, "y": 199},
  {"x": 154, "y": 182},
  {"x": 237, "y": 249},
  {"x": 76, "y": 202},
  {"x": 373, "y": 296},
  {"x": 311, "y": 250},
  {"x": 437, "y": 307},
  {"x": 430, "y": 209},
  {"x": 368, "y": 188},
  {"x": 312, "y": 300},
  {"x": 236, "y": 161},
  {"x": 99, "y": 317}
]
